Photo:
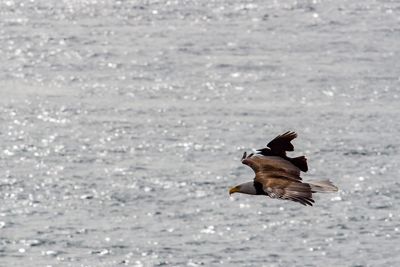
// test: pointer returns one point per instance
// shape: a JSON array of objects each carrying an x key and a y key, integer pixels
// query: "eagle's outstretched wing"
[
  {"x": 284, "y": 189},
  {"x": 278, "y": 147},
  {"x": 280, "y": 144},
  {"x": 272, "y": 166},
  {"x": 279, "y": 178}
]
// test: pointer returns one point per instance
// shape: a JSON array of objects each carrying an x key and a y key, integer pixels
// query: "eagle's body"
[{"x": 278, "y": 176}]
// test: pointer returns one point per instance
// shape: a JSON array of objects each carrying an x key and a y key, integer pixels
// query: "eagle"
[{"x": 278, "y": 176}]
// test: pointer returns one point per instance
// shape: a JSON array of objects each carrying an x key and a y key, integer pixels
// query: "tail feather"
[
  {"x": 300, "y": 162},
  {"x": 322, "y": 186}
]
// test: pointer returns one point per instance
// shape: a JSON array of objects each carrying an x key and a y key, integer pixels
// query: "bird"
[{"x": 278, "y": 176}]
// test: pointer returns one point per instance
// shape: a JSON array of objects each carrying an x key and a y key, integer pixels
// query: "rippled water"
[{"x": 123, "y": 122}]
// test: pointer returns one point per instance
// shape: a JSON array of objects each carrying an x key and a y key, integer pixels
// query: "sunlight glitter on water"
[{"x": 123, "y": 129}]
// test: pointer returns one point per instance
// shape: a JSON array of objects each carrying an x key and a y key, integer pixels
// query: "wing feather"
[
  {"x": 286, "y": 189},
  {"x": 272, "y": 166},
  {"x": 280, "y": 144},
  {"x": 300, "y": 192}
]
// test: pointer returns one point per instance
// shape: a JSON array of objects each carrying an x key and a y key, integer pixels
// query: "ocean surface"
[{"x": 122, "y": 125}]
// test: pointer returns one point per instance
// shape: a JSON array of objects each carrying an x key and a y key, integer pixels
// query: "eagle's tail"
[{"x": 322, "y": 186}]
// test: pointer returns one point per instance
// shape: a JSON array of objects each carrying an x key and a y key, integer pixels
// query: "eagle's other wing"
[{"x": 280, "y": 144}]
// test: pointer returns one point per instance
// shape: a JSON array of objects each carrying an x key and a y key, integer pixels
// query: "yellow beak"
[{"x": 233, "y": 190}]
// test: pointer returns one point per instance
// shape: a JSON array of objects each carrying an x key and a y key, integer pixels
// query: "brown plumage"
[
  {"x": 278, "y": 176},
  {"x": 278, "y": 147}
]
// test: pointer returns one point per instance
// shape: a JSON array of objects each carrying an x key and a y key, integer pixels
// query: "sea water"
[{"x": 123, "y": 123}]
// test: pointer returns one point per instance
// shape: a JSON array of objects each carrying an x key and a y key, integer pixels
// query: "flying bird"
[{"x": 278, "y": 176}]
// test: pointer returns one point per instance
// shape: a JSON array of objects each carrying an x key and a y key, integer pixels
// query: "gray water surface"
[{"x": 123, "y": 123}]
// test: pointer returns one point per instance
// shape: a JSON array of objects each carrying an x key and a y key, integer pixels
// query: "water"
[{"x": 123, "y": 122}]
